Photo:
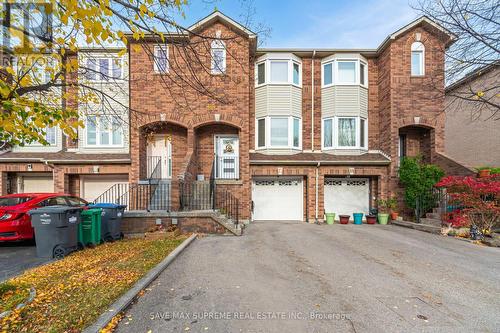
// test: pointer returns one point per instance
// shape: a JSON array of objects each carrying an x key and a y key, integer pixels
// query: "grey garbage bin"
[
  {"x": 111, "y": 220},
  {"x": 56, "y": 230}
]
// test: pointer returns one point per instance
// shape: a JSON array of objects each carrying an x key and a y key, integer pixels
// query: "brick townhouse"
[{"x": 295, "y": 133}]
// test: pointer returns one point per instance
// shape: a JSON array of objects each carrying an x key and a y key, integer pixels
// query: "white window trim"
[
  {"x": 156, "y": 68},
  {"x": 98, "y": 134},
  {"x": 267, "y": 59},
  {"x": 334, "y": 60},
  {"x": 267, "y": 138},
  {"x": 418, "y": 47},
  {"x": 216, "y": 45},
  {"x": 111, "y": 61},
  {"x": 38, "y": 144},
  {"x": 335, "y": 139}
]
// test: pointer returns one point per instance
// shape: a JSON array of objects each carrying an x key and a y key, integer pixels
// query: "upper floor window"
[
  {"x": 417, "y": 59},
  {"x": 50, "y": 137},
  {"x": 344, "y": 133},
  {"x": 344, "y": 72},
  {"x": 160, "y": 59},
  {"x": 277, "y": 70},
  {"x": 103, "y": 69},
  {"x": 278, "y": 132},
  {"x": 104, "y": 131},
  {"x": 218, "y": 53}
]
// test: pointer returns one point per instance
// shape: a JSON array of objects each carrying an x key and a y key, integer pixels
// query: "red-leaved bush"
[{"x": 478, "y": 199}]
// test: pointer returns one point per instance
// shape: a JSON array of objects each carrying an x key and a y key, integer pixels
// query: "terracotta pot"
[
  {"x": 371, "y": 219},
  {"x": 394, "y": 215},
  {"x": 484, "y": 173},
  {"x": 344, "y": 219}
]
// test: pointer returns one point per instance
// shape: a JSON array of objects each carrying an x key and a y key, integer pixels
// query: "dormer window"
[
  {"x": 218, "y": 53},
  {"x": 417, "y": 59},
  {"x": 279, "y": 69}
]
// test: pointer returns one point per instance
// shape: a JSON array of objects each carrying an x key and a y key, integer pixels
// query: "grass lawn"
[{"x": 71, "y": 293}]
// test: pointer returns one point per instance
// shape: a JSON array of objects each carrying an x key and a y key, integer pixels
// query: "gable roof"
[{"x": 219, "y": 16}]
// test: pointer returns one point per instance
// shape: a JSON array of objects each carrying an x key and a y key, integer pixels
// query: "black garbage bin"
[
  {"x": 111, "y": 220},
  {"x": 56, "y": 230}
]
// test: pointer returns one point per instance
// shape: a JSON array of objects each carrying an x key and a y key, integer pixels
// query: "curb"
[
  {"x": 124, "y": 301},
  {"x": 418, "y": 226}
]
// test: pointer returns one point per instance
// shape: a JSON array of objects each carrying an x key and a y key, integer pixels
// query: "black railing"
[
  {"x": 195, "y": 195},
  {"x": 139, "y": 196},
  {"x": 227, "y": 204},
  {"x": 153, "y": 166},
  {"x": 427, "y": 201},
  {"x": 155, "y": 174},
  {"x": 227, "y": 167}
]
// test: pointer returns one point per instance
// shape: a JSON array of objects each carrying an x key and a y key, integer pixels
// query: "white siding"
[
  {"x": 278, "y": 100},
  {"x": 344, "y": 101}
]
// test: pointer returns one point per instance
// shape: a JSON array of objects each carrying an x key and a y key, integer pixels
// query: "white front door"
[
  {"x": 226, "y": 155},
  {"x": 345, "y": 196},
  {"x": 160, "y": 150},
  {"x": 278, "y": 198}
]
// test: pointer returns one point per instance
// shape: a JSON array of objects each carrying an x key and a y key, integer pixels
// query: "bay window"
[
  {"x": 281, "y": 70},
  {"x": 344, "y": 133},
  {"x": 104, "y": 131},
  {"x": 279, "y": 132},
  {"x": 344, "y": 72}
]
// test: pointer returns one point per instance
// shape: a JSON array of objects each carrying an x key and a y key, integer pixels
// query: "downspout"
[
  {"x": 312, "y": 101},
  {"x": 317, "y": 192}
]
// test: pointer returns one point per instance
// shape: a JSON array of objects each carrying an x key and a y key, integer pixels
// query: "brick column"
[
  {"x": 3, "y": 182},
  {"x": 61, "y": 180}
]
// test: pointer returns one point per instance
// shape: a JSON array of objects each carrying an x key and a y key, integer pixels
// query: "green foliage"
[
  {"x": 493, "y": 170},
  {"x": 417, "y": 178}
]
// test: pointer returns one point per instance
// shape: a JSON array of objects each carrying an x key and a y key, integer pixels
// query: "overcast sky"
[{"x": 314, "y": 23}]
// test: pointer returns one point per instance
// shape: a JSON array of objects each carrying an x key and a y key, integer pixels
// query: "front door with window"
[
  {"x": 159, "y": 153},
  {"x": 227, "y": 157}
]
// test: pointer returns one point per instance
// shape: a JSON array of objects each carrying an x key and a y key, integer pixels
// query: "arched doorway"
[{"x": 416, "y": 140}]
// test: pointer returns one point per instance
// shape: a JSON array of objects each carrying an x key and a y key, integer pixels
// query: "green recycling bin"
[{"x": 89, "y": 230}]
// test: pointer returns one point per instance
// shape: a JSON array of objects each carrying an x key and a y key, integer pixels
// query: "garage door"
[
  {"x": 345, "y": 196},
  {"x": 36, "y": 184},
  {"x": 94, "y": 186},
  {"x": 277, "y": 199}
]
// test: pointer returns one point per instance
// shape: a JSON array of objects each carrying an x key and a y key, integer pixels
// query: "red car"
[{"x": 15, "y": 223}]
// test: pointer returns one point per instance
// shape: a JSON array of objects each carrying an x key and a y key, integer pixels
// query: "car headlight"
[{"x": 5, "y": 216}]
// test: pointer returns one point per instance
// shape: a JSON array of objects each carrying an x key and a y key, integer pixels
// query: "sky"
[{"x": 315, "y": 23}]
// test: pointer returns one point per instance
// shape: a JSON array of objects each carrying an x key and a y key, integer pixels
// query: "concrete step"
[{"x": 430, "y": 221}]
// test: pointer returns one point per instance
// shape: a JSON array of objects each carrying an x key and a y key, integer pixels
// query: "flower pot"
[
  {"x": 383, "y": 218},
  {"x": 394, "y": 215},
  {"x": 344, "y": 219},
  {"x": 330, "y": 218},
  {"x": 358, "y": 218},
  {"x": 371, "y": 219},
  {"x": 484, "y": 173}
]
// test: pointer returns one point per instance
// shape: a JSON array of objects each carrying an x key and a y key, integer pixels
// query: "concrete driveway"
[
  {"x": 291, "y": 277},
  {"x": 16, "y": 257}
]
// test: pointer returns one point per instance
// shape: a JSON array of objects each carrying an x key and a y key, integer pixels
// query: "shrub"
[
  {"x": 418, "y": 179},
  {"x": 478, "y": 197}
]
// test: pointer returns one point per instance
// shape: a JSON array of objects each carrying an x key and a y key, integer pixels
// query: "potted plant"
[
  {"x": 371, "y": 219},
  {"x": 383, "y": 215},
  {"x": 344, "y": 219},
  {"x": 392, "y": 204},
  {"x": 358, "y": 218},
  {"x": 484, "y": 172},
  {"x": 330, "y": 218}
]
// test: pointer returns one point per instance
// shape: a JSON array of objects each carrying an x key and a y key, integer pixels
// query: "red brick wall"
[{"x": 206, "y": 225}]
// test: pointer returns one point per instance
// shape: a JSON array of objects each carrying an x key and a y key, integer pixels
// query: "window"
[
  {"x": 344, "y": 132},
  {"x": 296, "y": 76},
  {"x": 103, "y": 69},
  {"x": 346, "y": 71},
  {"x": 50, "y": 135},
  {"x": 327, "y": 74},
  {"x": 279, "y": 132},
  {"x": 261, "y": 73},
  {"x": 218, "y": 52},
  {"x": 328, "y": 133},
  {"x": 104, "y": 131},
  {"x": 279, "y": 71},
  {"x": 417, "y": 59},
  {"x": 362, "y": 67},
  {"x": 76, "y": 202},
  {"x": 160, "y": 59},
  {"x": 261, "y": 130},
  {"x": 402, "y": 147}
]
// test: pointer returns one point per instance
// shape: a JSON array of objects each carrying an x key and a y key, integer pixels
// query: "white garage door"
[
  {"x": 94, "y": 186},
  {"x": 277, "y": 199},
  {"x": 345, "y": 196},
  {"x": 36, "y": 184}
]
